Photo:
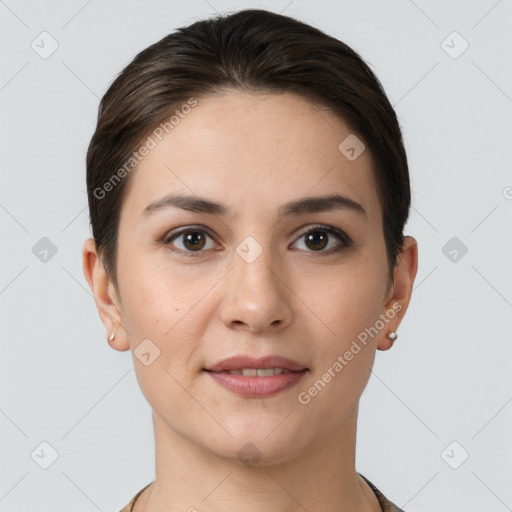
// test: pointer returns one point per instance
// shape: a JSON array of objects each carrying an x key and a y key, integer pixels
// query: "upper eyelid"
[
  {"x": 319, "y": 227},
  {"x": 187, "y": 229}
]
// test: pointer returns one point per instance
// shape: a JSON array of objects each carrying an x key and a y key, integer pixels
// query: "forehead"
[{"x": 254, "y": 150}]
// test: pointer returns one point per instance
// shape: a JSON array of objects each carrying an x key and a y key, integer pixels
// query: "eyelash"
[{"x": 345, "y": 240}]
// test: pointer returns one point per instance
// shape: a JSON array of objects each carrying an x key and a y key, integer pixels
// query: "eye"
[
  {"x": 191, "y": 240},
  {"x": 323, "y": 239}
]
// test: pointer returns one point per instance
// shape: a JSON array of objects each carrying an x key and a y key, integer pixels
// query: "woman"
[{"x": 248, "y": 189}]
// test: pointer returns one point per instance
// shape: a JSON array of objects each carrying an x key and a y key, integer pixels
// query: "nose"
[{"x": 256, "y": 296}]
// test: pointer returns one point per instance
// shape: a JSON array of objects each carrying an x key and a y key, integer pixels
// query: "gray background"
[{"x": 448, "y": 377}]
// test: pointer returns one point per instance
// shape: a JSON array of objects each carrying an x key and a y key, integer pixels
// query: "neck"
[{"x": 190, "y": 478}]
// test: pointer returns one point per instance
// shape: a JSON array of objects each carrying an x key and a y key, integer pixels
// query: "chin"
[
  {"x": 253, "y": 452},
  {"x": 267, "y": 443}
]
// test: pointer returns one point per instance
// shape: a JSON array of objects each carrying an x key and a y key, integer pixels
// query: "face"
[{"x": 250, "y": 265}]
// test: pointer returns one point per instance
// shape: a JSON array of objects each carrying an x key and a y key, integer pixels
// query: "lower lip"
[{"x": 257, "y": 387}]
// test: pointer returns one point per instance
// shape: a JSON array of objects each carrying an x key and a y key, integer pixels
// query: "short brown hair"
[{"x": 250, "y": 50}]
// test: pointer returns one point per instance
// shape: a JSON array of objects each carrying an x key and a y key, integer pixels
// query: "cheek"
[
  {"x": 349, "y": 306},
  {"x": 158, "y": 309},
  {"x": 167, "y": 306},
  {"x": 347, "y": 299},
  {"x": 154, "y": 298}
]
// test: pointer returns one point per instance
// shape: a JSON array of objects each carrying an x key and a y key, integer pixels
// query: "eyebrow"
[{"x": 297, "y": 207}]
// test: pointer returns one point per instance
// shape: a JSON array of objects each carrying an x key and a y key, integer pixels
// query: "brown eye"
[
  {"x": 320, "y": 238},
  {"x": 191, "y": 240},
  {"x": 316, "y": 240},
  {"x": 194, "y": 241}
]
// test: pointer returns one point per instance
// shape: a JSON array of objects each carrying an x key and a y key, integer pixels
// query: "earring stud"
[
  {"x": 392, "y": 336},
  {"x": 112, "y": 336}
]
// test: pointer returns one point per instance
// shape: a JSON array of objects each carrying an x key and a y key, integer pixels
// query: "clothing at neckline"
[{"x": 385, "y": 504}]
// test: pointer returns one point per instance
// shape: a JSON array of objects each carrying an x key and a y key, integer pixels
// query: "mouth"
[{"x": 257, "y": 378}]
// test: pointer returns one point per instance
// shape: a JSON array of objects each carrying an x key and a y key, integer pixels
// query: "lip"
[
  {"x": 241, "y": 361},
  {"x": 254, "y": 386}
]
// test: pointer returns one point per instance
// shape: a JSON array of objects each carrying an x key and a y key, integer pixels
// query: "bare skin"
[{"x": 298, "y": 299}]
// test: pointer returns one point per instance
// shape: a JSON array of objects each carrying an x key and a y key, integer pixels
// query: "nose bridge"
[
  {"x": 254, "y": 266},
  {"x": 256, "y": 296}
]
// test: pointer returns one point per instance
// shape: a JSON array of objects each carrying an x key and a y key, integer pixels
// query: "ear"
[
  {"x": 401, "y": 290},
  {"x": 105, "y": 296}
]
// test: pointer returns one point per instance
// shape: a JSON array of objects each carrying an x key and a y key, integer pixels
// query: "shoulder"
[
  {"x": 129, "y": 507},
  {"x": 385, "y": 504}
]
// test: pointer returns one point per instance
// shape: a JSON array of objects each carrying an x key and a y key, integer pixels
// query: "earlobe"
[
  {"x": 403, "y": 281},
  {"x": 104, "y": 296}
]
